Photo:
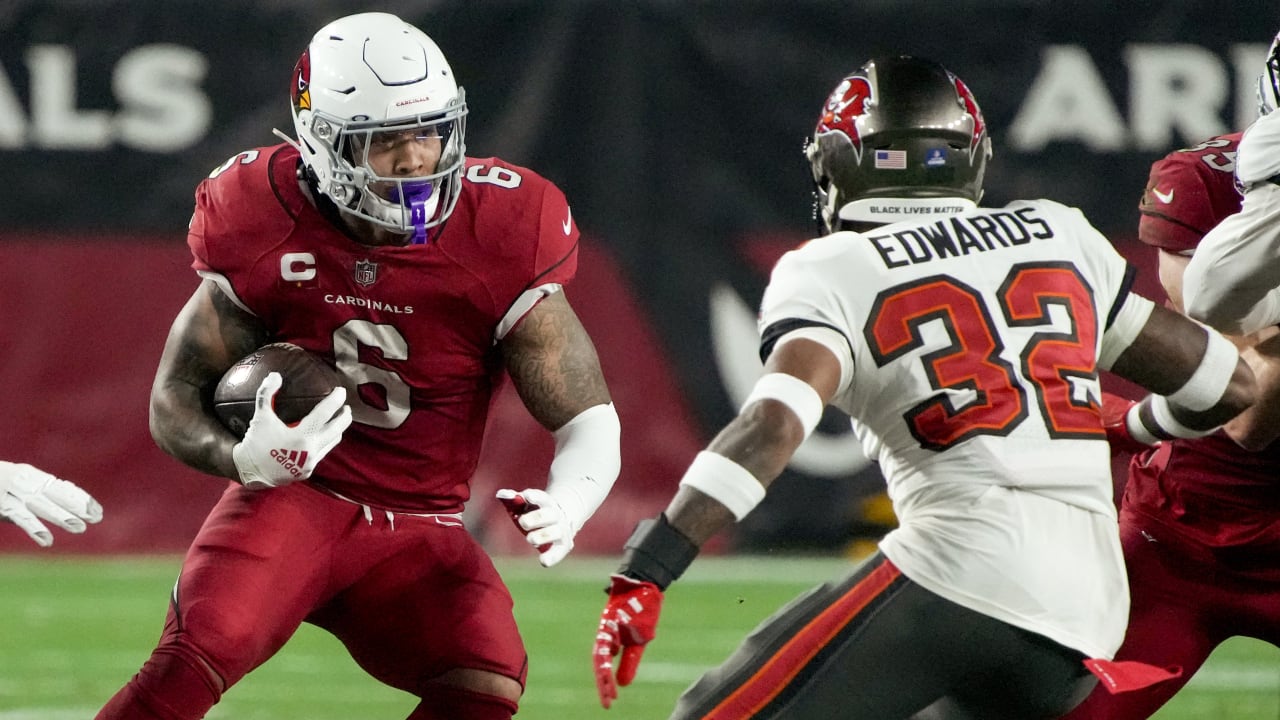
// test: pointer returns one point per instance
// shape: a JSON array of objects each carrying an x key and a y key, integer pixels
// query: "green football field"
[{"x": 73, "y": 630}]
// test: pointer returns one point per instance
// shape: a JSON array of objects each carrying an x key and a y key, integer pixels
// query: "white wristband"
[
  {"x": 1206, "y": 385},
  {"x": 793, "y": 392},
  {"x": 1163, "y": 415},
  {"x": 1137, "y": 430},
  {"x": 1165, "y": 423},
  {"x": 725, "y": 480}
]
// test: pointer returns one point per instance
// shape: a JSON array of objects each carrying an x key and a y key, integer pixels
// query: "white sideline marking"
[{"x": 661, "y": 672}]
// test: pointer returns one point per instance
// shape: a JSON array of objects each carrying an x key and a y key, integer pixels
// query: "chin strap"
[{"x": 297, "y": 145}]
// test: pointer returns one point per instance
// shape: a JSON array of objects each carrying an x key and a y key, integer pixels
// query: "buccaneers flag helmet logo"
[
  {"x": 971, "y": 107},
  {"x": 847, "y": 102}
]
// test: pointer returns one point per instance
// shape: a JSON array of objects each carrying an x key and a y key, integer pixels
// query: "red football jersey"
[
  {"x": 412, "y": 329},
  {"x": 1209, "y": 487}
]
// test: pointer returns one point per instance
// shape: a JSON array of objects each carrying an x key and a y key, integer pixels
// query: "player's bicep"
[
  {"x": 208, "y": 335},
  {"x": 553, "y": 363},
  {"x": 817, "y": 355}
]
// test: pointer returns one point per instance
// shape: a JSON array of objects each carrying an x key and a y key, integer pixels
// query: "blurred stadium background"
[{"x": 675, "y": 130}]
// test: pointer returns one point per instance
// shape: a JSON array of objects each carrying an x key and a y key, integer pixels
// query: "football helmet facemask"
[
  {"x": 897, "y": 127},
  {"x": 372, "y": 80},
  {"x": 1269, "y": 80}
]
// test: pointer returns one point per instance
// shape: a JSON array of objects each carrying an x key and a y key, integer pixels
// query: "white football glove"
[
  {"x": 28, "y": 493},
  {"x": 544, "y": 522},
  {"x": 273, "y": 453}
]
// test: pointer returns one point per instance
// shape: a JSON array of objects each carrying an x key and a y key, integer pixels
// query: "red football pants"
[
  {"x": 1184, "y": 604},
  {"x": 410, "y": 597}
]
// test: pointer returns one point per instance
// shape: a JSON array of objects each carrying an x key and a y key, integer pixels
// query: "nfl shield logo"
[{"x": 366, "y": 272}]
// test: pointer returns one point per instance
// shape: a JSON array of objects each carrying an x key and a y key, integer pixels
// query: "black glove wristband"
[{"x": 657, "y": 553}]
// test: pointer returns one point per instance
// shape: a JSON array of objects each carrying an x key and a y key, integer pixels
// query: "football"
[{"x": 306, "y": 377}]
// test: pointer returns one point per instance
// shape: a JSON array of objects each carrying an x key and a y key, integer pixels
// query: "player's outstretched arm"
[
  {"x": 1260, "y": 424},
  {"x": 724, "y": 483},
  {"x": 209, "y": 335},
  {"x": 29, "y": 495},
  {"x": 1196, "y": 376},
  {"x": 553, "y": 365}
]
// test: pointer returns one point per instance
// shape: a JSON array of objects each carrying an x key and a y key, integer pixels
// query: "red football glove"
[
  {"x": 1114, "y": 411},
  {"x": 629, "y": 620}
]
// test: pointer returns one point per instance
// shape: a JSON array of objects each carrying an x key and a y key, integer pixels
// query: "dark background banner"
[{"x": 675, "y": 128}]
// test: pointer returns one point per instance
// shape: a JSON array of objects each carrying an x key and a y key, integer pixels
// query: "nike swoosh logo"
[
  {"x": 568, "y": 220},
  {"x": 1165, "y": 198}
]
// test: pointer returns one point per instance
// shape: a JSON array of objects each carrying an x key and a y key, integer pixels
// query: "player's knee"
[
  {"x": 193, "y": 658},
  {"x": 228, "y": 650},
  {"x": 469, "y": 695}
]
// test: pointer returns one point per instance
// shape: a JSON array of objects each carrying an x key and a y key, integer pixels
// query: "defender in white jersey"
[
  {"x": 966, "y": 344},
  {"x": 1233, "y": 280}
]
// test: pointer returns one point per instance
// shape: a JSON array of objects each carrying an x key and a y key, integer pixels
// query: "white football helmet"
[
  {"x": 371, "y": 74},
  {"x": 1269, "y": 80}
]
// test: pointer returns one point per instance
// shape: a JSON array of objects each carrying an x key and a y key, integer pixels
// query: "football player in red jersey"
[
  {"x": 1198, "y": 517},
  {"x": 29, "y": 495},
  {"x": 966, "y": 343},
  {"x": 423, "y": 275}
]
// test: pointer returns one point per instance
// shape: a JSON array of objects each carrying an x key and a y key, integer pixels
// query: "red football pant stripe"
[{"x": 772, "y": 678}]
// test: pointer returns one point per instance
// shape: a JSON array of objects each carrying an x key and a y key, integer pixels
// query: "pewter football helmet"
[{"x": 900, "y": 127}]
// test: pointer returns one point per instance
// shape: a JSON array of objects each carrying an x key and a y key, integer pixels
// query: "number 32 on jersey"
[{"x": 972, "y": 361}]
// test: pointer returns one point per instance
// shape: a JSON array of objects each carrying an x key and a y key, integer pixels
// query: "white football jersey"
[
  {"x": 973, "y": 340},
  {"x": 1258, "y": 155}
]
